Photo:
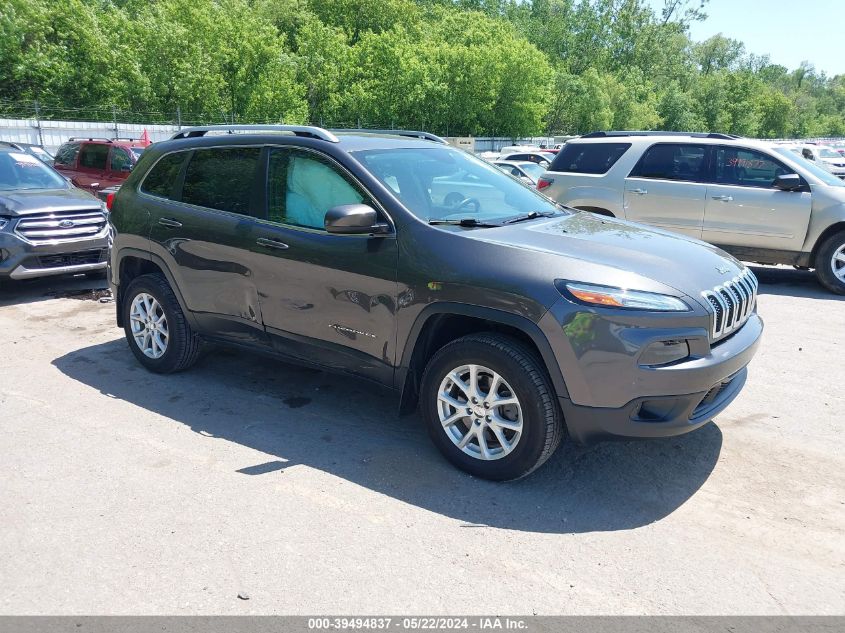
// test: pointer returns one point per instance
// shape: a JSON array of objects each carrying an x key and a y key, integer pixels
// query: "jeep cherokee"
[{"x": 399, "y": 259}]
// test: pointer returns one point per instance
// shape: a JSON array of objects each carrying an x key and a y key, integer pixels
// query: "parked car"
[
  {"x": 525, "y": 170},
  {"x": 95, "y": 164},
  {"x": 47, "y": 226},
  {"x": 544, "y": 159},
  {"x": 759, "y": 201},
  {"x": 826, "y": 157},
  {"x": 505, "y": 315},
  {"x": 36, "y": 150}
]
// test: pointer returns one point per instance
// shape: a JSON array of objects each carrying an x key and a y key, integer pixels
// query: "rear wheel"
[
  {"x": 490, "y": 408},
  {"x": 830, "y": 263},
  {"x": 155, "y": 326}
]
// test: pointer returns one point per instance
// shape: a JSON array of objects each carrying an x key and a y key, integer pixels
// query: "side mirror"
[
  {"x": 354, "y": 219},
  {"x": 787, "y": 182}
]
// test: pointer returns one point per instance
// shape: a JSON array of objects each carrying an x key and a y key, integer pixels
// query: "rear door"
[
  {"x": 743, "y": 209},
  {"x": 203, "y": 227},
  {"x": 667, "y": 188},
  {"x": 92, "y": 166}
]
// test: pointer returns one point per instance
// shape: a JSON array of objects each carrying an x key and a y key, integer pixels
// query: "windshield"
[
  {"x": 23, "y": 171},
  {"x": 447, "y": 184},
  {"x": 829, "y": 153},
  {"x": 532, "y": 169},
  {"x": 822, "y": 174},
  {"x": 137, "y": 151}
]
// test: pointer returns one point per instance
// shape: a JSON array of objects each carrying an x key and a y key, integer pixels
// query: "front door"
[
  {"x": 325, "y": 298},
  {"x": 666, "y": 188},
  {"x": 743, "y": 209}
]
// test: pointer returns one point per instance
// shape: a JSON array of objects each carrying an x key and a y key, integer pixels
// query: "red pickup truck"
[{"x": 96, "y": 164}]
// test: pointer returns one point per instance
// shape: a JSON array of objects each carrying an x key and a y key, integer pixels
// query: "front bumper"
[
  {"x": 611, "y": 395},
  {"x": 20, "y": 259}
]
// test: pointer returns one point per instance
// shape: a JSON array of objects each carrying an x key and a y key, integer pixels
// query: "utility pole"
[
  {"x": 178, "y": 117},
  {"x": 38, "y": 123},
  {"x": 114, "y": 120}
]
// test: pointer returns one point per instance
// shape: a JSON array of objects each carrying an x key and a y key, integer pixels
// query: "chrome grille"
[
  {"x": 61, "y": 225},
  {"x": 731, "y": 303}
]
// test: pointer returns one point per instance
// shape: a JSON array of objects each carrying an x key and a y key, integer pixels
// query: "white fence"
[{"x": 51, "y": 134}]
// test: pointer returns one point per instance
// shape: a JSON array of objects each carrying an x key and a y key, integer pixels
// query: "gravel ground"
[{"x": 125, "y": 492}]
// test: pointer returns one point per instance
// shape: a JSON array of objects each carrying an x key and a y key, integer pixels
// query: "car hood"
[
  {"x": 17, "y": 203},
  {"x": 589, "y": 245}
]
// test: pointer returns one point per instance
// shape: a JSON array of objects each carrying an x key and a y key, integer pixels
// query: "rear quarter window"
[{"x": 588, "y": 158}]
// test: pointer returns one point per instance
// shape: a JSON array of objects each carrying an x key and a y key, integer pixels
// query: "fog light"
[{"x": 664, "y": 352}]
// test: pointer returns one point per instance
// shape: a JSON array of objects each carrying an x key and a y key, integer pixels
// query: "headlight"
[{"x": 623, "y": 298}]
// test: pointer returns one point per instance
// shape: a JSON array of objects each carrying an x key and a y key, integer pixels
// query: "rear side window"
[
  {"x": 221, "y": 178},
  {"x": 67, "y": 154},
  {"x": 673, "y": 161},
  {"x": 162, "y": 179},
  {"x": 94, "y": 156},
  {"x": 588, "y": 158}
]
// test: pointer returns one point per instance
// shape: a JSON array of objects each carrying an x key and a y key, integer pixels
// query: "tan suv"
[{"x": 759, "y": 201}]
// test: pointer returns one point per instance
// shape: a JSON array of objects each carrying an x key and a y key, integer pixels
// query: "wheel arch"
[
  {"x": 833, "y": 229},
  {"x": 596, "y": 210},
  {"x": 132, "y": 263},
  {"x": 440, "y": 323}
]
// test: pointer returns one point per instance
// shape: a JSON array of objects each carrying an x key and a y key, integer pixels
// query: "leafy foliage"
[{"x": 504, "y": 67}]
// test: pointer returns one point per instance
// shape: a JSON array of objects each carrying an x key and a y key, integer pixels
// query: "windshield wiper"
[
  {"x": 530, "y": 216},
  {"x": 465, "y": 222}
]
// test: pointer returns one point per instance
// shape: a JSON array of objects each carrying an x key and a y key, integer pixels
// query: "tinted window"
[
  {"x": 120, "y": 160},
  {"x": 747, "y": 168},
  {"x": 67, "y": 154},
  {"x": 94, "y": 156},
  {"x": 670, "y": 161},
  {"x": 161, "y": 181},
  {"x": 302, "y": 186},
  {"x": 588, "y": 158},
  {"x": 221, "y": 178}
]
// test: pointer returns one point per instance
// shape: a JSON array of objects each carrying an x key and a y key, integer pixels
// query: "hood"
[
  {"x": 17, "y": 203},
  {"x": 636, "y": 253}
]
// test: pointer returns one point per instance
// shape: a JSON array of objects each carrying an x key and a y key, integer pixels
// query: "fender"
[
  {"x": 405, "y": 376},
  {"x": 158, "y": 261}
]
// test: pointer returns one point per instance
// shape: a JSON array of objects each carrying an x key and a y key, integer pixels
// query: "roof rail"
[
  {"x": 90, "y": 138},
  {"x": 13, "y": 145},
  {"x": 659, "y": 133},
  {"x": 426, "y": 136},
  {"x": 309, "y": 131}
]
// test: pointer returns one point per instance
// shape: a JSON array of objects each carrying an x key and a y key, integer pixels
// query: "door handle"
[
  {"x": 639, "y": 192},
  {"x": 722, "y": 198},
  {"x": 264, "y": 241},
  {"x": 171, "y": 224}
]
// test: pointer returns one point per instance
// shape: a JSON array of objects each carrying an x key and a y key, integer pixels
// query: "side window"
[
  {"x": 746, "y": 168},
  {"x": 94, "y": 155},
  {"x": 302, "y": 186},
  {"x": 221, "y": 178},
  {"x": 120, "y": 160},
  {"x": 588, "y": 158},
  {"x": 161, "y": 181},
  {"x": 67, "y": 154},
  {"x": 671, "y": 161}
]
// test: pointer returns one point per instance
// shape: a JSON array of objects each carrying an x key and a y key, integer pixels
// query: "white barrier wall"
[{"x": 51, "y": 134}]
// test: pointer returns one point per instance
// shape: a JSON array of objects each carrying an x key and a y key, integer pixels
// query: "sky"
[{"x": 789, "y": 31}]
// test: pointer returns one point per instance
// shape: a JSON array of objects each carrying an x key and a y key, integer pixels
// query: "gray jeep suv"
[
  {"x": 399, "y": 259},
  {"x": 47, "y": 226}
]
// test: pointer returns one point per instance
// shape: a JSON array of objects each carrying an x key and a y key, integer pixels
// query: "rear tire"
[
  {"x": 493, "y": 441},
  {"x": 830, "y": 263},
  {"x": 155, "y": 326}
]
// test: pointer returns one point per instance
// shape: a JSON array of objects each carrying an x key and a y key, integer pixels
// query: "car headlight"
[{"x": 611, "y": 297}]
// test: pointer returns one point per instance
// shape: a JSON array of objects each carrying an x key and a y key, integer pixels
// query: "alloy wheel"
[{"x": 149, "y": 325}]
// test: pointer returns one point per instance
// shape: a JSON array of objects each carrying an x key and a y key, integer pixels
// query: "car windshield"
[
  {"x": 20, "y": 171},
  {"x": 829, "y": 153},
  {"x": 822, "y": 174},
  {"x": 137, "y": 151},
  {"x": 532, "y": 169},
  {"x": 447, "y": 184}
]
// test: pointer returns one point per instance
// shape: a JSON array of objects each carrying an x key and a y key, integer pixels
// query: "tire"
[
  {"x": 830, "y": 272},
  {"x": 521, "y": 375},
  {"x": 182, "y": 345}
]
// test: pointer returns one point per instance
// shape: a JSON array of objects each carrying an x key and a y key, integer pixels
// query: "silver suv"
[{"x": 759, "y": 201}]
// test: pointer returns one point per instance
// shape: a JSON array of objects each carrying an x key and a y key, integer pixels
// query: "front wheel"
[
  {"x": 490, "y": 408},
  {"x": 830, "y": 263}
]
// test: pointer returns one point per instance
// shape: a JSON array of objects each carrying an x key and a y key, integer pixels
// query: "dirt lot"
[{"x": 125, "y": 492}]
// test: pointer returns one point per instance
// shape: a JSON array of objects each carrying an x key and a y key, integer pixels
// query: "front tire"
[
  {"x": 155, "y": 326},
  {"x": 830, "y": 263},
  {"x": 490, "y": 408}
]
